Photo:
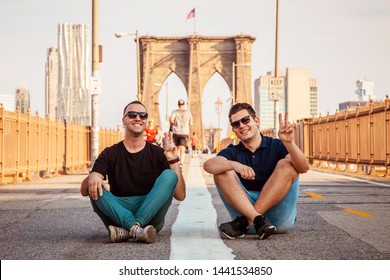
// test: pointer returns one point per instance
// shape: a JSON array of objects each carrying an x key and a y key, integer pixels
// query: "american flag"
[{"x": 191, "y": 14}]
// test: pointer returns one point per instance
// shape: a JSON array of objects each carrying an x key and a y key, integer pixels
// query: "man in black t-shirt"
[{"x": 142, "y": 180}]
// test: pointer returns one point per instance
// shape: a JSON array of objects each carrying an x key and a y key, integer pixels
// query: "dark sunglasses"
[
  {"x": 133, "y": 114},
  {"x": 244, "y": 120}
]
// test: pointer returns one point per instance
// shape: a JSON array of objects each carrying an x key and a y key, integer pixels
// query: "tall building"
[
  {"x": 263, "y": 106},
  {"x": 299, "y": 93},
  {"x": 363, "y": 94},
  {"x": 300, "y": 98},
  {"x": 364, "y": 90},
  {"x": 74, "y": 59},
  {"x": 22, "y": 99},
  {"x": 51, "y": 83},
  {"x": 313, "y": 98},
  {"x": 8, "y": 101}
]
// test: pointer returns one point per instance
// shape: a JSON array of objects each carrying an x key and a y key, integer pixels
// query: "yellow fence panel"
[
  {"x": 364, "y": 139},
  {"x": 108, "y": 137},
  {"x": 11, "y": 149},
  {"x": 379, "y": 136},
  {"x": 340, "y": 138},
  {"x": 332, "y": 139}
]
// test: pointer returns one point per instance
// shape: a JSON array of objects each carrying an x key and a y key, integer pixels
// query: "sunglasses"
[
  {"x": 133, "y": 114},
  {"x": 244, "y": 120}
]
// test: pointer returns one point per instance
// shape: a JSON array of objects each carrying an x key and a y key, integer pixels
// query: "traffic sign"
[{"x": 276, "y": 89}]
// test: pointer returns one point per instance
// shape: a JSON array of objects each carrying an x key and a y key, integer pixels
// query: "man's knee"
[
  {"x": 169, "y": 177},
  {"x": 225, "y": 178},
  {"x": 285, "y": 166}
]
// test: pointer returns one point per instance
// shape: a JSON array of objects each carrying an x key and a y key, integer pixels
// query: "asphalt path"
[{"x": 339, "y": 218}]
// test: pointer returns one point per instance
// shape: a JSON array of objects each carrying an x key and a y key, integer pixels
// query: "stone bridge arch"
[{"x": 194, "y": 59}]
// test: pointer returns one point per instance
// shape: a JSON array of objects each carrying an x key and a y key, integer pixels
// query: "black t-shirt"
[{"x": 131, "y": 173}]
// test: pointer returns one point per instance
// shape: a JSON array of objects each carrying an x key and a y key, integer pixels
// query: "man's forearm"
[
  {"x": 298, "y": 158},
  {"x": 84, "y": 187},
  {"x": 218, "y": 165},
  {"x": 180, "y": 190}
]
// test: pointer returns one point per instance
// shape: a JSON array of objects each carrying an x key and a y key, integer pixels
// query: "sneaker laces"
[
  {"x": 137, "y": 231},
  {"x": 118, "y": 234},
  {"x": 122, "y": 234}
]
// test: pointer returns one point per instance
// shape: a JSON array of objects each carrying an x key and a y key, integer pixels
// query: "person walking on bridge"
[
  {"x": 258, "y": 179},
  {"x": 181, "y": 121},
  {"x": 142, "y": 181}
]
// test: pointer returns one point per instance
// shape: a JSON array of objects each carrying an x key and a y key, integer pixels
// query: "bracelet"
[{"x": 172, "y": 161}]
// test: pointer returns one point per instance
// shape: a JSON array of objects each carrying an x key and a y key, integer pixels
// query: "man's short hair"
[
  {"x": 242, "y": 106},
  {"x": 180, "y": 102},
  {"x": 133, "y": 102}
]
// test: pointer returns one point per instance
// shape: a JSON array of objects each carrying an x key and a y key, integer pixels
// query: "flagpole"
[
  {"x": 195, "y": 24},
  {"x": 192, "y": 15}
]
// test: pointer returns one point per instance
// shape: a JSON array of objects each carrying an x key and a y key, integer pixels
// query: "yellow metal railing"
[
  {"x": 33, "y": 147},
  {"x": 356, "y": 140},
  {"x": 108, "y": 137}
]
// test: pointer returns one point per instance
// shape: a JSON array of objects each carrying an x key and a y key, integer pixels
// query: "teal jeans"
[{"x": 147, "y": 209}]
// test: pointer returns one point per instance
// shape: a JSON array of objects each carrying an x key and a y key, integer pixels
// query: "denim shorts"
[{"x": 282, "y": 216}]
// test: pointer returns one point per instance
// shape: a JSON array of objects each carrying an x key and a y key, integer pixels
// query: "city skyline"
[{"x": 338, "y": 41}]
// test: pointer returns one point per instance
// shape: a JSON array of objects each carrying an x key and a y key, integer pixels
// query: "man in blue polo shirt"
[{"x": 258, "y": 179}]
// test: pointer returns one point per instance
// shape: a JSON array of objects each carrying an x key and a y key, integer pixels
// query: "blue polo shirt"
[{"x": 263, "y": 160}]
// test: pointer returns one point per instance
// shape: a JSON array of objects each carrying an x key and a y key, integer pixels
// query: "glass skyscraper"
[{"x": 74, "y": 65}]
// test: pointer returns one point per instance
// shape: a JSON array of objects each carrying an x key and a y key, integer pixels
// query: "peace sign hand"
[
  {"x": 170, "y": 149},
  {"x": 286, "y": 129}
]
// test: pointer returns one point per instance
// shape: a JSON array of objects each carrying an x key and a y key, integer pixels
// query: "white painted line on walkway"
[
  {"x": 353, "y": 178},
  {"x": 194, "y": 234}
]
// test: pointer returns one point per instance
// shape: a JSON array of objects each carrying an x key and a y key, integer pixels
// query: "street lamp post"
[
  {"x": 234, "y": 65},
  {"x": 276, "y": 74},
  {"x": 276, "y": 104},
  {"x": 121, "y": 35},
  {"x": 95, "y": 83},
  {"x": 218, "y": 109}
]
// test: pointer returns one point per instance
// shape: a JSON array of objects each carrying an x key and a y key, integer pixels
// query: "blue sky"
[{"x": 340, "y": 41}]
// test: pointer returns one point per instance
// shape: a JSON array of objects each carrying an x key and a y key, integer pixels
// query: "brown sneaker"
[
  {"x": 146, "y": 234},
  {"x": 118, "y": 234}
]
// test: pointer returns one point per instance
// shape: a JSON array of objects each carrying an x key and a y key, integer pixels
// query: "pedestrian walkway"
[
  {"x": 194, "y": 233},
  {"x": 330, "y": 226}
]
